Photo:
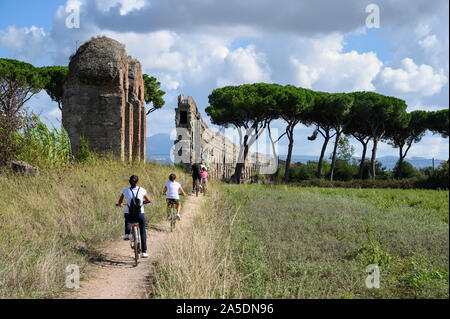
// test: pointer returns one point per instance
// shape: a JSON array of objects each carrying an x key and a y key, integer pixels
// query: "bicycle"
[
  {"x": 204, "y": 189},
  {"x": 173, "y": 214},
  {"x": 135, "y": 241}
]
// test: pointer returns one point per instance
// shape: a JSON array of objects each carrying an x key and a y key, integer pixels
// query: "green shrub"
[
  {"x": 84, "y": 153},
  {"x": 439, "y": 178},
  {"x": 344, "y": 171},
  {"x": 258, "y": 178},
  {"x": 408, "y": 171},
  {"x": 44, "y": 147}
]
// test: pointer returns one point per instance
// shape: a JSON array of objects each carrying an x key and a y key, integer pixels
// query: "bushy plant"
[
  {"x": 299, "y": 171},
  {"x": 257, "y": 177},
  {"x": 84, "y": 153},
  {"x": 408, "y": 171},
  {"x": 43, "y": 147},
  {"x": 439, "y": 178},
  {"x": 344, "y": 171}
]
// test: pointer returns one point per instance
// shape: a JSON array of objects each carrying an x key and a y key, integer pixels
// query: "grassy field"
[
  {"x": 58, "y": 218},
  {"x": 286, "y": 242}
]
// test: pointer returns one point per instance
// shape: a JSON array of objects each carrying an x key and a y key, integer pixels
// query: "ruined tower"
[{"x": 103, "y": 100}]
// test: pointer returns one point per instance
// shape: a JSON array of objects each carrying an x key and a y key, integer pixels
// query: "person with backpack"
[
  {"x": 196, "y": 175},
  {"x": 136, "y": 198}
]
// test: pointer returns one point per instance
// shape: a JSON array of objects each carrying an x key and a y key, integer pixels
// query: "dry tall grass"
[
  {"x": 58, "y": 217},
  {"x": 192, "y": 266}
]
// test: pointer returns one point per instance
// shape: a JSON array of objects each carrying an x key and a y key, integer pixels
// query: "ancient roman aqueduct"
[{"x": 104, "y": 103}]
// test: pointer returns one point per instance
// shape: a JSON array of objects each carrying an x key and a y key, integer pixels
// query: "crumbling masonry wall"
[
  {"x": 103, "y": 100},
  {"x": 196, "y": 143}
]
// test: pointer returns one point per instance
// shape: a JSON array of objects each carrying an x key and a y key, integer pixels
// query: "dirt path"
[{"x": 114, "y": 275}]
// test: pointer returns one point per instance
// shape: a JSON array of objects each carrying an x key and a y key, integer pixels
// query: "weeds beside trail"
[
  {"x": 284, "y": 242},
  {"x": 58, "y": 217},
  {"x": 197, "y": 263}
]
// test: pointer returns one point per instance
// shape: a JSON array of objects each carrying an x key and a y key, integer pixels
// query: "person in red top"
[{"x": 205, "y": 176}]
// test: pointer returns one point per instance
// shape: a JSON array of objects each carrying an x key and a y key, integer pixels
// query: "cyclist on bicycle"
[
  {"x": 129, "y": 193},
  {"x": 172, "y": 189},
  {"x": 196, "y": 175}
]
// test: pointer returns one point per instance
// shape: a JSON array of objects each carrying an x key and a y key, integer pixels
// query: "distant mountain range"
[
  {"x": 386, "y": 161},
  {"x": 159, "y": 146}
]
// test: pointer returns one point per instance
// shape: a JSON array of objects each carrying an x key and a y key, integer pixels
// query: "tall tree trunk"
[
  {"x": 400, "y": 163},
  {"x": 400, "y": 168},
  {"x": 374, "y": 157},
  {"x": 333, "y": 159},
  {"x": 322, "y": 154},
  {"x": 363, "y": 159},
  {"x": 289, "y": 154},
  {"x": 240, "y": 166}
]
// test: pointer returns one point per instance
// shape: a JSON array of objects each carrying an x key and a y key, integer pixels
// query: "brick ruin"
[
  {"x": 103, "y": 100},
  {"x": 197, "y": 143}
]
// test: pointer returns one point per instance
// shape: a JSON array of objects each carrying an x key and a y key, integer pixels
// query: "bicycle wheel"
[
  {"x": 172, "y": 218},
  {"x": 136, "y": 245}
]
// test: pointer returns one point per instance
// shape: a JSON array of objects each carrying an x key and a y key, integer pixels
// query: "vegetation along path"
[{"x": 113, "y": 276}]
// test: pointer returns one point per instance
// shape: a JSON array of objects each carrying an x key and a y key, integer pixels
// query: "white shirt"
[
  {"x": 172, "y": 190},
  {"x": 129, "y": 196}
]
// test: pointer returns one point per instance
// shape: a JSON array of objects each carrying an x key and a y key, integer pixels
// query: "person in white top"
[
  {"x": 129, "y": 193},
  {"x": 172, "y": 190}
]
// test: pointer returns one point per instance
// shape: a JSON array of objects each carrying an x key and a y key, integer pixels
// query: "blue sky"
[{"x": 194, "y": 46}]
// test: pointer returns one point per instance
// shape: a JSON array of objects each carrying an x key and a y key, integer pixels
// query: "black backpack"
[{"x": 134, "y": 209}]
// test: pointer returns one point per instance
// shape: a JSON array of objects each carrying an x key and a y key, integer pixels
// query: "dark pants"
[{"x": 141, "y": 222}]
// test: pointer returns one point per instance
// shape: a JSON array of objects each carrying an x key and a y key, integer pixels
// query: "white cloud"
[
  {"x": 194, "y": 59},
  {"x": 430, "y": 146},
  {"x": 326, "y": 67},
  {"x": 55, "y": 113},
  {"x": 27, "y": 44},
  {"x": 244, "y": 66},
  {"x": 126, "y": 6},
  {"x": 156, "y": 50},
  {"x": 422, "y": 30},
  {"x": 428, "y": 42},
  {"x": 412, "y": 78}
]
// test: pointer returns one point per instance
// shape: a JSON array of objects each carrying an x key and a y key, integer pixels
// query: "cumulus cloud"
[
  {"x": 413, "y": 78},
  {"x": 428, "y": 42},
  {"x": 26, "y": 44},
  {"x": 126, "y": 6},
  {"x": 326, "y": 67},
  {"x": 184, "y": 58},
  {"x": 244, "y": 66},
  {"x": 298, "y": 17}
]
